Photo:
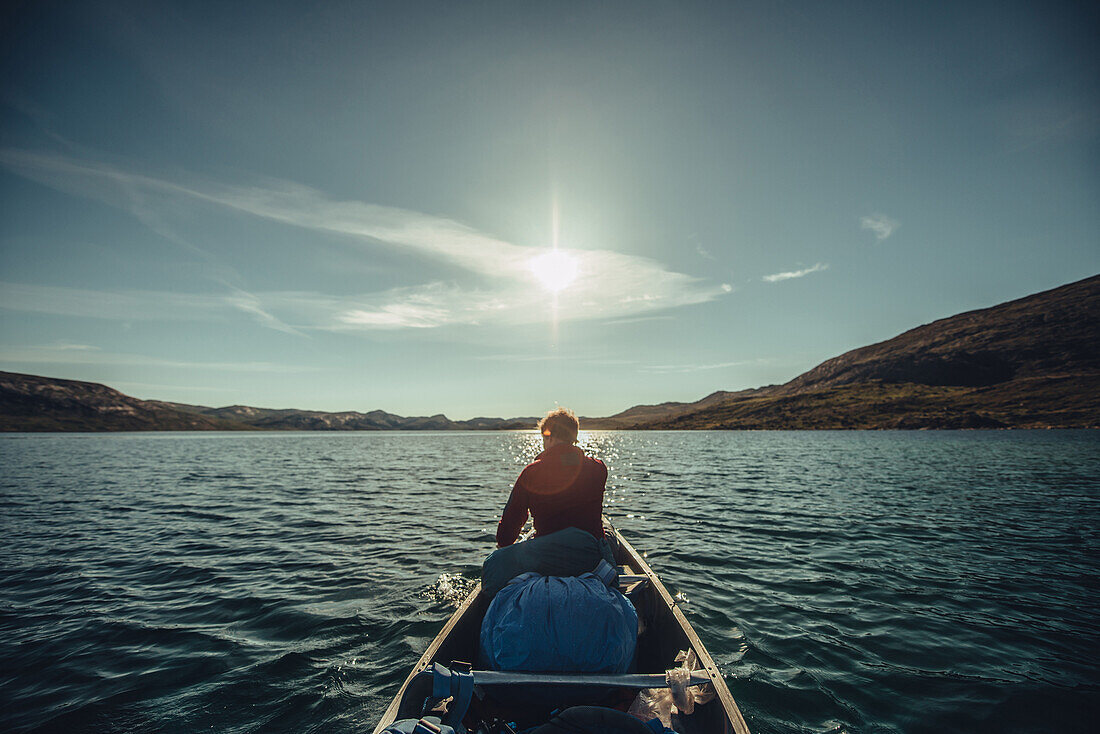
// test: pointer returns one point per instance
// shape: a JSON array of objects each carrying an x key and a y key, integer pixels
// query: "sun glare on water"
[{"x": 554, "y": 269}]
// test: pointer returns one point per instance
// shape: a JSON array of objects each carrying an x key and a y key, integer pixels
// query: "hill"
[
  {"x": 32, "y": 403},
  {"x": 1029, "y": 363},
  {"x": 1054, "y": 332},
  {"x": 290, "y": 419},
  {"x": 643, "y": 415}
]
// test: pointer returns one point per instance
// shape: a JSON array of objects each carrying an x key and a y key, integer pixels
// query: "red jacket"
[{"x": 561, "y": 488}]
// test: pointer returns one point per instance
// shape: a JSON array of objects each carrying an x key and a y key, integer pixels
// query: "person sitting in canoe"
[{"x": 562, "y": 490}]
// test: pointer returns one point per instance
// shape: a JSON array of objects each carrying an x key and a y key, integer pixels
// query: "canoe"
[{"x": 665, "y": 632}]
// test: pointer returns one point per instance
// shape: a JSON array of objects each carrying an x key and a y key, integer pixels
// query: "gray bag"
[{"x": 568, "y": 552}]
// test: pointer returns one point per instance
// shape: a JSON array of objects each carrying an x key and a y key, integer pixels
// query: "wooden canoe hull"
[{"x": 666, "y": 632}]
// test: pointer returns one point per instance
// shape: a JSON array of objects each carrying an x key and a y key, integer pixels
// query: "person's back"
[{"x": 562, "y": 488}]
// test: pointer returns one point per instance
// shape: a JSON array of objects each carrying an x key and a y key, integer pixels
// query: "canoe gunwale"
[
  {"x": 426, "y": 659},
  {"x": 721, "y": 690},
  {"x": 635, "y": 562}
]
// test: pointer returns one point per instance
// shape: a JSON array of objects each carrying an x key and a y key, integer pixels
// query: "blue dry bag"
[{"x": 555, "y": 624}]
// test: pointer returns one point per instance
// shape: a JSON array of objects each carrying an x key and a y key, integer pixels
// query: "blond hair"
[{"x": 562, "y": 424}]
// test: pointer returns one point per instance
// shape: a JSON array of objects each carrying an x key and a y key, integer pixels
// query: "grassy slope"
[
  {"x": 1069, "y": 401},
  {"x": 1028, "y": 363}
]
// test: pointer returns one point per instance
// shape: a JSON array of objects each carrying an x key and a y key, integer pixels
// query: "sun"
[{"x": 554, "y": 269}]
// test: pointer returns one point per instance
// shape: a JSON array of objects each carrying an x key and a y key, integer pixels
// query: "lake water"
[{"x": 843, "y": 582}]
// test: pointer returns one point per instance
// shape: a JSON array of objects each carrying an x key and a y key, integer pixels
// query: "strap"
[
  {"x": 457, "y": 685},
  {"x": 462, "y": 696},
  {"x": 441, "y": 682},
  {"x": 606, "y": 573}
]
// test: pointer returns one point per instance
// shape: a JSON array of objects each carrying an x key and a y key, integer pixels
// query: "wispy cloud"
[
  {"x": 1037, "y": 116},
  {"x": 249, "y": 303},
  {"x": 518, "y": 357},
  {"x": 135, "y": 305},
  {"x": 882, "y": 225},
  {"x": 110, "y": 305},
  {"x": 131, "y": 388},
  {"x": 69, "y": 347},
  {"x": 675, "y": 368},
  {"x": 776, "y": 277},
  {"x": 572, "y": 358},
  {"x": 86, "y": 355},
  {"x": 640, "y": 319},
  {"x": 608, "y": 284}
]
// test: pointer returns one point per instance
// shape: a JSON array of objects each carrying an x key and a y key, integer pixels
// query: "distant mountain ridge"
[
  {"x": 32, "y": 403},
  {"x": 316, "y": 420},
  {"x": 1029, "y": 363},
  {"x": 641, "y": 416},
  {"x": 1056, "y": 331}
]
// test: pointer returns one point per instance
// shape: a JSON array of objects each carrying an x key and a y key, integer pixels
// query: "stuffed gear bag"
[{"x": 554, "y": 624}]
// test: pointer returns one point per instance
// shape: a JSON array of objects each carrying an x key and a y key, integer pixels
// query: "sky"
[{"x": 490, "y": 209}]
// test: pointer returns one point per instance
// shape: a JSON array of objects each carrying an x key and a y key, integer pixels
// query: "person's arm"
[{"x": 515, "y": 515}]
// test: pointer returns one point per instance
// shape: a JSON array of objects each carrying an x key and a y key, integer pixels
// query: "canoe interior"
[{"x": 665, "y": 632}]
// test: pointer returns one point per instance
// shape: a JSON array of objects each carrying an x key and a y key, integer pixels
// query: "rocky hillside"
[
  {"x": 30, "y": 403},
  {"x": 1029, "y": 363},
  {"x": 1059, "y": 401},
  {"x": 641, "y": 415},
  {"x": 375, "y": 420},
  {"x": 1054, "y": 332}
]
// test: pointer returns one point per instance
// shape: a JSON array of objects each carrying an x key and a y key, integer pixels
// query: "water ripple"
[{"x": 843, "y": 582}]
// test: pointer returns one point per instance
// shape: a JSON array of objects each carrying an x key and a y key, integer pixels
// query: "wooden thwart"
[
  {"x": 624, "y": 680},
  {"x": 667, "y": 633}
]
